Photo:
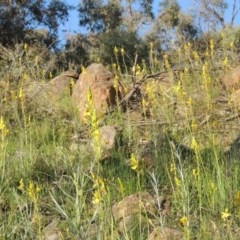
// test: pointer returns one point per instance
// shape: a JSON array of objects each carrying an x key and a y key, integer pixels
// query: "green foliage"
[
  {"x": 52, "y": 179},
  {"x": 98, "y": 16},
  {"x": 18, "y": 17},
  {"x": 114, "y": 39}
]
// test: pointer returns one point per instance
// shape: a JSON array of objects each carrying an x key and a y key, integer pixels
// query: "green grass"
[{"x": 48, "y": 177}]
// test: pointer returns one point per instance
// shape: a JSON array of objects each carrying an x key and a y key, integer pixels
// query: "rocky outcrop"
[
  {"x": 100, "y": 81},
  {"x": 46, "y": 96}
]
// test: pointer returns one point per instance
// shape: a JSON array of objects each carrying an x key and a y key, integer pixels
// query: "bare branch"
[{"x": 235, "y": 12}]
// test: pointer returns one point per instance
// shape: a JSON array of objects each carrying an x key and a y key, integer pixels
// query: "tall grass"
[{"x": 52, "y": 185}]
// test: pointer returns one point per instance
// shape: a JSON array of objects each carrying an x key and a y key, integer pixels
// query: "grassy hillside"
[{"x": 177, "y": 145}]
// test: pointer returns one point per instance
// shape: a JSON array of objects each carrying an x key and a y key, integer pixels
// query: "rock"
[
  {"x": 165, "y": 233},
  {"x": 127, "y": 212},
  {"x": 97, "y": 78},
  {"x": 109, "y": 136},
  {"x": 231, "y": 80},
  {"x": 51, "y": 231},
  {"x": 46, "y": 97},
  {"x": 63, "y": 83}
]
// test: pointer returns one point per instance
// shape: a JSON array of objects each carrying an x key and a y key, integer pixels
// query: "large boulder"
[
  {"x": 231, "y": 80},
  {"x": 97, "y": 78},
  {"x": 63, "y": 83},
  {"x": 129, "y": 210}
]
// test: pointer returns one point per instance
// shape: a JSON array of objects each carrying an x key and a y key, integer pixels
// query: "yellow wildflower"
[
  {"x": 138, "y": 70},
  {"x": 3, "y": 130},
  {"x": 190, "y": 101},
  {"x": 33, "y": 190},
  {"x": 21, "y": 185},
  {"x": 184, "y": 220},
  {"x": 212, "y": 47},
  {"x": 194, "y": 144},
  {"x": 213, "y": 186},
  {"x": 83, "y": 69},
  {"x": 226, "y": 62},
  {"x": 194, "y": 125},
  {"x": 196, "y": 56},
  {"x": 122, "y": 51},
  {"x": 21, "y": 94},
  {"x": 50, "y": 74},
  {"x": 115, "y": 50},
  {"x": 97, "y": 198},
  {"x": 115, "y": 82},
  {"x": 2, "y": 124},
  {"x": 100, "y": 190},
  {"x": 195, "y": 172},
  {"x": 134, "y": 162},
  {"x": 177, "y": 181},
  {"x": 226, "y": 214}
]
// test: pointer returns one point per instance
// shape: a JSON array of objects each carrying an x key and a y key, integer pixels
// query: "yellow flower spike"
[
  {"x": 122, "y": 51},
  {"x": 186, "y": 70},
  {"x": 179, "y": 86},
  {"x": 21, "y": 94},
  {"x": 213, "y": 186},
  {"x": 195, "y": 173},
  {"x": 83, "y": 70},
  {"x": 25, "y": 46},
  {"x": 207, "y": 54},
  {"x": 21, "y": 185},
  {"x": 212, "y": 47},
  {"x": 225, "y": 215},
  {"x": 50, "y": 74},
  {"x": 237, "y": 200},
  {"x": 114, "y": 65},
  {"x": 196, "y": 56},
  {"x": 33, "y": 190},
  {"x": 115, "y": 50},
  {"x": 194, "y": 125},
  {"x": 184, "y": 220},
  {"x": 194, "y": 144},
  {"x": 25, "y": 76},
  {"x": 177, "y": 181},
  {"x": 226, "y": 62},
  {"x": 97, "y": 198},
  {"x": 2, "y": 124},
  {"x": 190, "y": 101},
  {"x": 134, "y": 163},
  {"x": 231, "y": 45},
  {"x": 115, "y": 82}
]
